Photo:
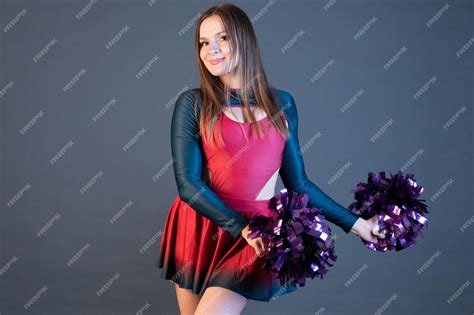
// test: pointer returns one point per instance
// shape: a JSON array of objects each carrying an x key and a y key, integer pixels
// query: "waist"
[{"x": 247, "y": 207}]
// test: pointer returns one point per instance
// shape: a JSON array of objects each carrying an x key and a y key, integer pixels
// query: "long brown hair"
[{"x": 253, "y": 80}]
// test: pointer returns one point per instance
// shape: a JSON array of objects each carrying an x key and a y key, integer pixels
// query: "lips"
[{"x": 216, "y": 61}]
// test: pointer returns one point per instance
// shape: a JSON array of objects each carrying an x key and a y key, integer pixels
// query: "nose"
[{"x": 213, "y": 48}]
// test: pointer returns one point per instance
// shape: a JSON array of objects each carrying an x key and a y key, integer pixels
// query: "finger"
[
  {"x": 375, "y": 229},
  {"x": 260, "y": 247},
  {"x": 266, "y": 245}
]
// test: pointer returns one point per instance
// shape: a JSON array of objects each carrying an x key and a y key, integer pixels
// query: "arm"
[
  {"x": 294, "y": 178},
  {"x": 186, "y": 150}
]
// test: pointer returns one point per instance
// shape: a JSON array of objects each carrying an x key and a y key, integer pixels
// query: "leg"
[
  {"x": 220, "y": 301},
  {"x": 187, "y": 300}
]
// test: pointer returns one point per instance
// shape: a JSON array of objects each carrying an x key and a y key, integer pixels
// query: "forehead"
[{"x": 210, "y": 27}]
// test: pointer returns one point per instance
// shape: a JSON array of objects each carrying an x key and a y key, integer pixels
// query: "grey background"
[{"x": 29, "y": 263}]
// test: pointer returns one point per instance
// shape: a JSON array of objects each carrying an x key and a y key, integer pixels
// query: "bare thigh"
[
  {"x": 187, "y": 300},
  {"x": 220, "y": 301}
]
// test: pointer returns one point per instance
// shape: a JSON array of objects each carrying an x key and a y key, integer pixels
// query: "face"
[{"x": 215, "y": 49}]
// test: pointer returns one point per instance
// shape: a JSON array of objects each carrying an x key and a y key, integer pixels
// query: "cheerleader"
[{"x": 230, "y": 140}]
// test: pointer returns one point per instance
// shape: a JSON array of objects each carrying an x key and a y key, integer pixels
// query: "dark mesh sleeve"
[
  {"x": 187, "y": 153},
  {"x": 292, "y": 172}
]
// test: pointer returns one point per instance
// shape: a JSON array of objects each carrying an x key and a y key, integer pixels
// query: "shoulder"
[
  {"x": 188, "y": 102},
  {"x": 283, "y": 95},
  {"x": 287, "y": 104},
  {"x": 286, "y": 101},
  {"x": 188, "y": 97},
  {"x": 187, "y": 109}
]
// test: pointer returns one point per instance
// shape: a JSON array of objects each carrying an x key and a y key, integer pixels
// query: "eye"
[
  {"x": 224, "y": 36},
  {"x": 201, "y": 44}
]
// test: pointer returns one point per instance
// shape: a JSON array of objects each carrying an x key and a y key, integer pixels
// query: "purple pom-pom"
[
  {"x": 298, "y": 239},
  {"x": 394, "y": 200}
]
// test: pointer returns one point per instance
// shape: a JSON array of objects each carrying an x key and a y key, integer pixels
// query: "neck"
[{"x": 236, "y": 100}]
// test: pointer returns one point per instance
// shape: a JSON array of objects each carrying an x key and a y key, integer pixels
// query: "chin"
[{"x": 217, "y": 73}]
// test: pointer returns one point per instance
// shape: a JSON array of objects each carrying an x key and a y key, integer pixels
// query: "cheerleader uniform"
[{"x": 201, "y": 245}]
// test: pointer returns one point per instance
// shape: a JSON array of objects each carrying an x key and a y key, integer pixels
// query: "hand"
[
  {"x": 363, "y": 229},
  {"x": 256, "y": 243}
]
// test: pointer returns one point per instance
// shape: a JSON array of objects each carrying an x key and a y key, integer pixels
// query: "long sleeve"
[
  {"x": 293, "y": 175},
  {"x": 187, "y": 153}
]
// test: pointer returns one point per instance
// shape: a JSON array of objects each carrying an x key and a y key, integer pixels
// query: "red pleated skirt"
[{"x": 196, "y": 253}]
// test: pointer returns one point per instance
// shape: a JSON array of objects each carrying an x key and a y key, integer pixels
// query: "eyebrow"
[{"x": 214, "y": 35}]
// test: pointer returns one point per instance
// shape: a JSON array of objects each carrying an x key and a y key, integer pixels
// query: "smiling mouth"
[{"x": 216, "y": 61}]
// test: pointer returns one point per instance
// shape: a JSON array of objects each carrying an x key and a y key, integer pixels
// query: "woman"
[{"x": 245, "y": 133}]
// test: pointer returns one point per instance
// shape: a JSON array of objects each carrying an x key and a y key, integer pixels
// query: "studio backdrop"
[{"x": 87, "y": 92}]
